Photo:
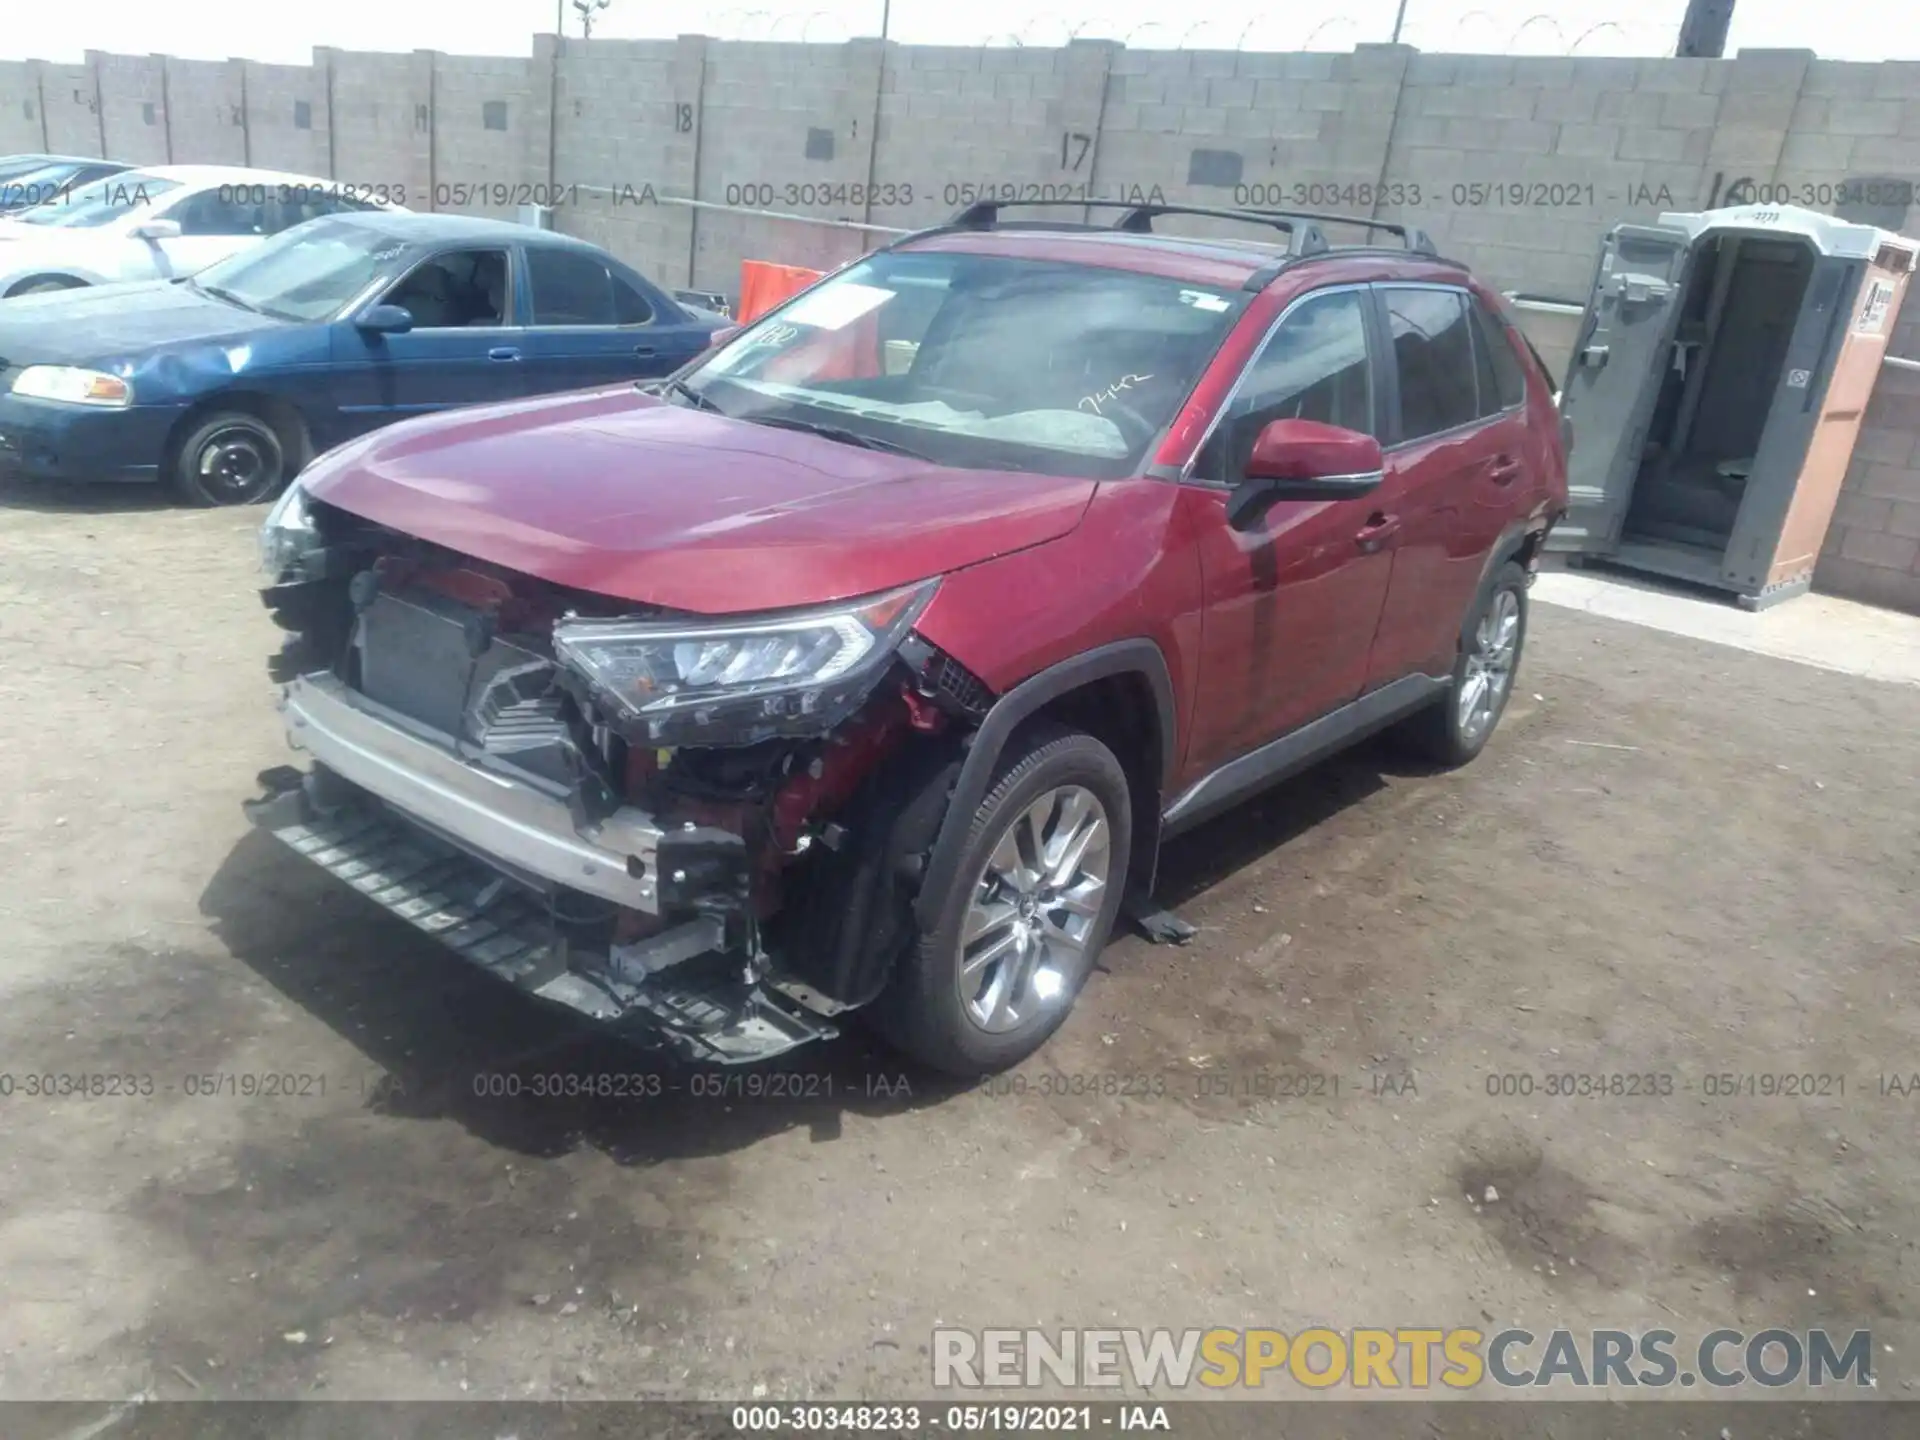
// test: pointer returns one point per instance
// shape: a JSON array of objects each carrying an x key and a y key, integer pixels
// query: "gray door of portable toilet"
[{"x": 1666, "y": 362}]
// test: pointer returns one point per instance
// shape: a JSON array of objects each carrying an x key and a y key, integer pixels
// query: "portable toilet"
[{"x": 1716, "y": 389}]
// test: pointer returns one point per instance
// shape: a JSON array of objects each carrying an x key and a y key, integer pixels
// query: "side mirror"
[
  {"x": 156, "y": 230},
  {"x": 1304, "y": 460},
  {"x": 385, "y": 320}
]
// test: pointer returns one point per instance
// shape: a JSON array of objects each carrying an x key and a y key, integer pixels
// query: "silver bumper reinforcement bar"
[
  {"x": 510, "y": 819},
  {"x": 463, "y": 854}
]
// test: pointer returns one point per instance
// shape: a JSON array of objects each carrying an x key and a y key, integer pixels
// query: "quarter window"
[
  {"x": 1502, "y": 383},
  {"x": 570, "y": 288},
  {"x": 1313, "y": 367},
  {"x": 630, "y": 307},
  {"x": 1433, "y": 354}
]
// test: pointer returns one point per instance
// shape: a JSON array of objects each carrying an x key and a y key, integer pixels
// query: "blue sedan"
[{"x": 225, "y": 384}]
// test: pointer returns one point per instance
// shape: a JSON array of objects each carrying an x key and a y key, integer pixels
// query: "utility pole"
[
  {"x": 1399, "y": 19},
  {"x": 1703, "y": 33}
]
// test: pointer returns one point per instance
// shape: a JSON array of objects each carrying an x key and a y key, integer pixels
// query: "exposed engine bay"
[{"x": 547, "y": 781}]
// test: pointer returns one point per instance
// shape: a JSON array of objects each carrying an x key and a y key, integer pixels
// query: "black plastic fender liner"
[
  {"x": 1123, "y": 657},
  {"x": 1512, "y": 541}
]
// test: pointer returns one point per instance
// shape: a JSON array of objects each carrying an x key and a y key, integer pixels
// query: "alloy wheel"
[
  {"x": 1489, "y": 669},
  {"x": 1025, "y": 935}
]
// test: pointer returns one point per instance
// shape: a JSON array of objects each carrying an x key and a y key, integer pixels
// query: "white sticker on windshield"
[
  {"x": 836, "y": 306},
  {"x": 1203, "y": 300}
]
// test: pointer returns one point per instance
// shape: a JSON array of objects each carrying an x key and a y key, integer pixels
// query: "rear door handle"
[
  {"x": 1504, "y": 470},
  {"x": 503, "y": 352},
  {"x": 646, "y": 350},
  {"x": 1377, "y": 531}
]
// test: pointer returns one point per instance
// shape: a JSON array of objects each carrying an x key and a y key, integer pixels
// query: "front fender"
[{"x": 1125, "y": 657}]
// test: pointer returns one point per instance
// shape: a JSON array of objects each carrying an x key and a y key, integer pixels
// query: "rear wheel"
[
  {"x": 1034, "y": 899},
  {"x": 1456, "y": 729},
  {"x": 231, "y": 458}
]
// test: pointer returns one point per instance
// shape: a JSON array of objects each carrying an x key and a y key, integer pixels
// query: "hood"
[
  {"x": 624, "y": 495},
  {"x": 68, "y": 327}
]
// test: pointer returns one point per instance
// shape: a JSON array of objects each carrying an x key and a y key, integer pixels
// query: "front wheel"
[
  {"x": 1456, "y": 729},
  {"x": 232, "y": 458},
  {"x": 1034, "y": 899}
]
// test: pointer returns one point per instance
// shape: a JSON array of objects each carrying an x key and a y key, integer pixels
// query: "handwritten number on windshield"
[{"x": 1094, "y": 401}]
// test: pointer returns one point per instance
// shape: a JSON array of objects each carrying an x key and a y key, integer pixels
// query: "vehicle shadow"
[
  {"x": 1194, "y": 863},
  {"x": 449, "y": 1041},
  {"x": 82, "y": 498}
]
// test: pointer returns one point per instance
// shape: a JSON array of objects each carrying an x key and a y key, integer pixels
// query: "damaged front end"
[{"x": 707, "y": 831}]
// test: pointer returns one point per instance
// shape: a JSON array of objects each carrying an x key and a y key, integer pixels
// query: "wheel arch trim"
[{"x": 1136, "y": 657}]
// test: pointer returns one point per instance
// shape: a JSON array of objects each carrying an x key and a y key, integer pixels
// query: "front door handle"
[
  {"x": 1504, "y": 470},
  {"x": 646, "y": 350},
  {"x": 503, "y": 352},
  {"x": 1377, "y": 531}
]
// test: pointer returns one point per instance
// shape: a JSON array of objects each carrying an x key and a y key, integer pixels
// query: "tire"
[
  {"x": 1065, "y": 784},
  {"x": 1456, "y": 728},
  {"x": 230, "y": 458},
  {"x": 44, "y": 287}
]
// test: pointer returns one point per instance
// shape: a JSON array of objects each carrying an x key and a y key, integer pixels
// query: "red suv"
[{"x": 868, "y": 662}]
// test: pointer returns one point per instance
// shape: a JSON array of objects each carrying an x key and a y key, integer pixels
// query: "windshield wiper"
[
  {"x": 680, "y": 387},
  {"x": 837, "y": 434},
  {"x": 226, "y": 295}
]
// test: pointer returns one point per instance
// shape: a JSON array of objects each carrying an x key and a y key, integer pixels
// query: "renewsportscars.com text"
[{"x": 1376, "y": 1359}]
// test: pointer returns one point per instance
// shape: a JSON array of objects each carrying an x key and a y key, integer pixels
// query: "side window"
[
  {"x": 459, "y": 288},
  {"x": 570, "y": 288},
  {"x": 1502, "y": 383},
  {"x": 1433, "y": 352},
  {"x": 299, "y": 206},
  {"x": 211, "y": 213},
  {"x": 1313, "y": 367},
  {"x": 630, "y": 307}
]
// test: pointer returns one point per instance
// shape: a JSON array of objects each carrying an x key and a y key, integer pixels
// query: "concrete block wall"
[
  {"x": 20, "y": 108},
  {"x": 618, "y": 145},
  {"x": 1872, "y": 550},
  {"x": 479, "y": 169},
  {"x": 286, "y": 117},
  {"x": 133, "y": 105},
  {"x": 206, "y": 115},
  {"x": 69, "y": 97},
  {"x": 1516, "y": 164}
]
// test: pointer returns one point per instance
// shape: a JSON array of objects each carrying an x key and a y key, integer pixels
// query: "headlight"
[
  {"x": 287, "y": 533},
  {"x": 74, "y": 386},
  {"x": 735, "y": 682}
]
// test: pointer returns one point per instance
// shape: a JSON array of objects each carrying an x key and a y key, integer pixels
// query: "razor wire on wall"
[{"x": 1483, "y": 27}]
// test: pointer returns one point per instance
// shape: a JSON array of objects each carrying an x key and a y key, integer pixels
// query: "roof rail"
[
  {"x": 1303, "y": 236},
  {"x": 1302, "y": 227},
  {"x": 1412, "y": 236}
]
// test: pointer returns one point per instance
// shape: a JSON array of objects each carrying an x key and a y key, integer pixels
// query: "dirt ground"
[{"x": 1676, "y": 859}]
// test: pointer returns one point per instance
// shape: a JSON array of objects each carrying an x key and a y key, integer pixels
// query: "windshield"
[
  {"x": 983, "y": 362},
  {"x": 307, "y": 273},
  {"x": 12, "y": 165},
  {"x": 100, "y": 203},
  {"x": 34, "y": 187}
]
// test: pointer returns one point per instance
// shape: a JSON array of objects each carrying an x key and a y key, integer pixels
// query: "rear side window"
[
  {"x": 230, "y": 210},
  {"x": 1502, "y": 383},
  {"x": 570, "y": 288},
  {"x": 1433, "y": 354}
]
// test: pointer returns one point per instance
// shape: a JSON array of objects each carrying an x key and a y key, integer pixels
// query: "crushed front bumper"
[{"x": 487, "y": 859}]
